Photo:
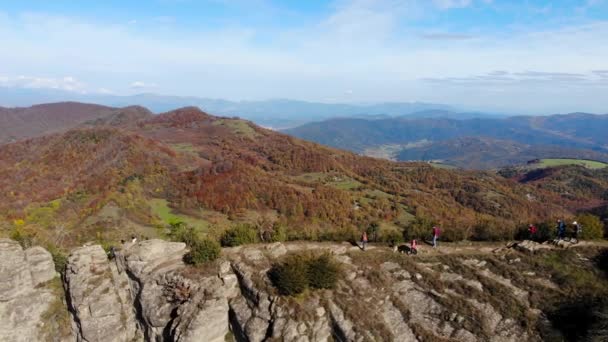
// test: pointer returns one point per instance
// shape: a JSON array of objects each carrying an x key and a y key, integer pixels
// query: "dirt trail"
[{"x": 464, "y": 248}]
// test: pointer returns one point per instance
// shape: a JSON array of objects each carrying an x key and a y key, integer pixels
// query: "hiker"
[
  {"x": 532, "y": 231},
  {"x": 112, "y": 253},
  {"x": 364, "y": 240},
  {"x": 414, "y": 247},
  {"x": 577, "y": 230},
  {"x": 436, "y": 233},
  {"x": 561, "y": 229}
]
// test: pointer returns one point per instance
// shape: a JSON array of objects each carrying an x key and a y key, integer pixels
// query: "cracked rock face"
[
  {"x": 24, "y": 298},
  {"x": 147, "y": 293},
  {"x": 100, "y": 297}
]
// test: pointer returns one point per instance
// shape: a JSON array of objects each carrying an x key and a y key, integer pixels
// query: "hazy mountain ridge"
[
  {"x": 576, "y": 135},
  {"x": 275, "y": 113}
]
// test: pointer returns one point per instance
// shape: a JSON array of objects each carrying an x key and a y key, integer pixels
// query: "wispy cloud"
[
  {"x": 142, "y": 85},
  {"x": 378, "y": 49},
  {"x": 504, "y": 77},
  {"x": 64, "y": 83}
]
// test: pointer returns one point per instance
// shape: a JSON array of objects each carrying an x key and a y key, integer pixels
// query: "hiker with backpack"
[
  {"x": 413, "y": 247},
  {"x": 561, "y": 229},
  {"x": 532, "y": 230},
  {"x": 364, "y": 240},
  {"x": 436, "y": 233},
  {"x": 577, "y": 230}
]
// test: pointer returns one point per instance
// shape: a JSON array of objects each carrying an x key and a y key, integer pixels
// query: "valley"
[
  {"x": 117, "y": 205},
  {"x": 477, "y": 143}
]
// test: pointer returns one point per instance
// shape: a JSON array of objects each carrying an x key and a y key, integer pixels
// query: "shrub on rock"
[
  {"x": 239, "y": 235},
  {"x": 203, "y": 250},
  {"x": 290, "y": 276},
  {"x": 592, "y": 226},
  {"x": 323, "y": 272},
  {"x": 297, "y": 272}
]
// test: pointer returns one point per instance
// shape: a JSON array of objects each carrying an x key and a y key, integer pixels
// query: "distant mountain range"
[
  {"x": 469, "y": 143},
  {"x": 276, "y": 114}
]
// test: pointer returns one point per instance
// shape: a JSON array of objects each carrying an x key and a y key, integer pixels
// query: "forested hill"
[
  {"x": 27, "y": 122},
  {"x": 576, "y": 135},
  {"x": 217, "y": 171}
]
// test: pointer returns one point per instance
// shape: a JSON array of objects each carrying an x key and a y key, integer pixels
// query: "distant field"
[
  {"x": 161, "y": 209},
  {"x": 591, "y": 164}
]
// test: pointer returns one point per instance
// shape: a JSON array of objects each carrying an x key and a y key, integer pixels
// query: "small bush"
[
  {"x": 239, "y": 235},
  {"x": 493, "y": 230},
  {"x": 203, "y": 250},
  {"x": 323, "y": 272},
  {"x": 24, "y": 238},
  {"x": 279, "y": 233},
  {"x": 59, "y": 258},
  {"x": 183, "y": 233},
  {"x": 373, "y": 230},
  {"x": 297, "y": 272},
  {"x": 592, "y": 226},
  {"x": 419, "y": 228},
  {"x": 392, "y": 237},
  {"x": 290, "y": 277}
]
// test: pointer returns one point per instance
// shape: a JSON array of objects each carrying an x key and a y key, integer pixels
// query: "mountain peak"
[{"x": 182, "y": 117}]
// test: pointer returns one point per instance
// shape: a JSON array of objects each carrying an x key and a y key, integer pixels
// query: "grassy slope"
[{"x": 552, "y": 162}]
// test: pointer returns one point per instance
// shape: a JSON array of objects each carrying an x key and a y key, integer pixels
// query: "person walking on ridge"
[
  {"x": 414, "y": 247},
  {"x": 561, "y": 229},
  {"x": 436, "y": 233},
  {"x": 532, "y": 232},
  {"x": 577, "y": 230},
  {"x": 364, "y": 240}
]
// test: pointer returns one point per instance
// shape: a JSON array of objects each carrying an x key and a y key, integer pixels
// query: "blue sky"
[{"x": 515, "y": 56}]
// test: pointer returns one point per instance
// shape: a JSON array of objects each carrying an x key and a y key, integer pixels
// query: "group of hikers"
[
  {"x": 413, "y": 248},
  {"x": 533, "y": 234},
  {"x": 560, "y": 228}
]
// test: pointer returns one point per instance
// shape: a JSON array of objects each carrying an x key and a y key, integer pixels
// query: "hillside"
[
  {"x": 453, "y": 141},
  {"x": 573, "y": 182},
  {"x": 216, "y": 172},
  {"x": 20, "y": 123},
  {"x": 488, "y": 153}
]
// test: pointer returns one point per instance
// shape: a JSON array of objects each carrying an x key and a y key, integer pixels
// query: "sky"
[{"x": 515, "y": 56}]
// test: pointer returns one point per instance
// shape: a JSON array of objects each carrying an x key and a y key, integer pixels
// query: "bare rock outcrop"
[
  {"x": 24, "y": 294},
  {"x": 145, "y": 292},
  {"x": 100, "y": 297}
]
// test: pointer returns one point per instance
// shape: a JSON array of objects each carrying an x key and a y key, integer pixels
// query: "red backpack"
[{"x": 436, "y": 231}]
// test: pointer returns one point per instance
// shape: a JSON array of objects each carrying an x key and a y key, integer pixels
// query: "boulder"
[
  {"x": 100, "y": 297},
  {"x": 26, "y": 293}
]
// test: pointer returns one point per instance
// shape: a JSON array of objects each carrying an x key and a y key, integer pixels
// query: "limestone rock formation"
[
  {"x": 145, "y": 292},
  {"x": 100, "y": 297},
  {"x": 25, "y": 296}
]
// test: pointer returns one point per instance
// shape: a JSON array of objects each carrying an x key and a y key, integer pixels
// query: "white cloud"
[
  {"x": 376, "y": 48},
  {"x": 142, "y": 85},
  {"x": 63, "y": 83},
  {"x": 105, "y": 91}
]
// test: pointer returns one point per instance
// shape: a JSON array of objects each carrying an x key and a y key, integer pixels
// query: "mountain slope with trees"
[
  {"x": 221, "y": 171},
  {"x": 574, "y": 135}
]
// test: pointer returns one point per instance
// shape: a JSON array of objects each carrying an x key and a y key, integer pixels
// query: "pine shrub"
[
  {"x": 290, "y": 276},
  {"x": 203, "y": 250},
  {"x": 297, "y": 272},
  {"x": 323, "y": 272},
  {"x": 239, "y": 235}
]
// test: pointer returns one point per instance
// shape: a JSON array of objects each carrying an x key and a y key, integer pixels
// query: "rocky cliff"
[{"x": 146, "y": 293}]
